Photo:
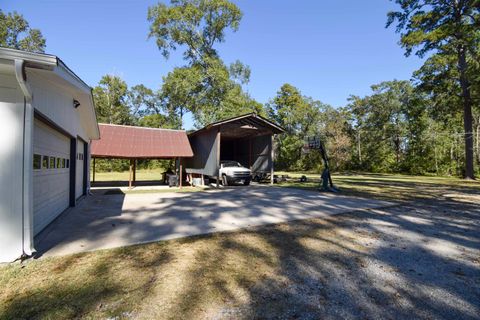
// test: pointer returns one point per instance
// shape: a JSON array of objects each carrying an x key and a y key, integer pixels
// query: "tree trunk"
[
  {"x": 181, "y": 117},
  {"x": 359, "y": 148},
  {"x": 467, "y": 113},
  {"x": 478, "y": 141},
  {"x": 452, "y": 159},
  {"x": 457, "y": 153},
  {"x": 435, "y": 153},
  {"x": 397, "y": 149}
]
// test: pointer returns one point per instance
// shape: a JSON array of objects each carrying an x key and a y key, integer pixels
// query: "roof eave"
[
  {"x": 276, "y": 127},
  {"x": 103, "y": 156},
  {"x": 54, "y": 64},
  {"x": 31, "y": 58}
]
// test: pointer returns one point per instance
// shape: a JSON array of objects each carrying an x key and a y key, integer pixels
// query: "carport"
[
  {"x": 247, "y": 139},
  {"x": 133, "y": 143}
]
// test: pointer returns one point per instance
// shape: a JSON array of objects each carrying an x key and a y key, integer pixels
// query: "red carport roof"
[{"x": 117, "y": 141}]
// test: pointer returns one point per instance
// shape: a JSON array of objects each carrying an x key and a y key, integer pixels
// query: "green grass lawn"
[
  {"x": 385, "y": 186},
  {"x": 142, "y": 175},
  {"x": 251, "y": 272},
  {"x": 379, "y": 186},
  {"x": 115, "y": 180}
]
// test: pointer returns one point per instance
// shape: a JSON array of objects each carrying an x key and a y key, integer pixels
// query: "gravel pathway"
[{"x": 415, "y": 261}]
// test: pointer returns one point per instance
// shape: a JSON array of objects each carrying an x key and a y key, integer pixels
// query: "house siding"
[
  {"x": 53, "y": 104},
  {"x": 11, "y": 168},
  {"x": 56, "y": 104}
]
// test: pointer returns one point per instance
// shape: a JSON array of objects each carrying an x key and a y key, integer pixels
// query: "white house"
[{"x": 47, "y": 121}]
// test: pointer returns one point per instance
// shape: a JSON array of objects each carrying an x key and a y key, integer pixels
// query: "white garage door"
[
  {"x": 51, "y": 163},
  {"x": 79, "y": 181}
]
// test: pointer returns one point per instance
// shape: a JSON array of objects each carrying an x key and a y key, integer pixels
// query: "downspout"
[{"x": 27, "y": 171}]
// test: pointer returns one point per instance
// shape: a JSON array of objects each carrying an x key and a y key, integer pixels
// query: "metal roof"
[
  {"x": 129, "y": 142},
  {"x": 244, "y": 123},
  {"x": 54, "y": 65},
  {"x": 41, "y": 61}
]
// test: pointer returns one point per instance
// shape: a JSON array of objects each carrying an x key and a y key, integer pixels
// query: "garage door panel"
[{"x": 50, "y": 185}]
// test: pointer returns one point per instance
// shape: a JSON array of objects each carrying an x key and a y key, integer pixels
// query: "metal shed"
[{"x": 247, "y": 139}]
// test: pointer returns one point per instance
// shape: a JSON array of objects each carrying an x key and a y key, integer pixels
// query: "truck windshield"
[{"x": 231, "y": 164}]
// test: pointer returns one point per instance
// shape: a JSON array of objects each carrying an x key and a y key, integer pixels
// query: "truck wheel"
[
  {"x": 225, "y": 180},
  {"x": 246, "y": 182}
]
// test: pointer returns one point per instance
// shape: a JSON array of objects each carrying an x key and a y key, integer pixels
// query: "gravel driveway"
[
  {"x": 418, "y": 259},
  {"x": 414, "y": 261}
]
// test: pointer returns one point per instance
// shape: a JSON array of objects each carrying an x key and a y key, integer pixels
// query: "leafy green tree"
[
  {"x": 110, "y": 98},
  {"x": 299, "y": 116},
  {"x": 15, "y": 32},
  {"x": 240, "y": 72},
  {"x": 438, "y": 79},
  {"x": 289, "y": 109},
  {"x": 195, "y": 24},
  {"x": 205, "y": 86},
  {"x": 157, "y": 120},
  {"x": 449, "y": 30},
  {"x": 117, "y": 104},
  {"x": 221, "y": 96},
  {"x": 143, "y": 101},
  {"x": 303, "y": 117},
  {"x": 389, "y": 128},
  {"x": 445, "y": 143},
  {"x": 335, "y": 130},
  {"x": 182, "y": 91},
  {"x": 148, "y": 108}
]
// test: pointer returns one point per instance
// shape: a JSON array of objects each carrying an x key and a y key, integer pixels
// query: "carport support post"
[
  {"x": 218, "y": 157},
  {"x": 94, "y": 169},
  {"x": 181, "y": 173},
  {"x": 134, "y": 171},
  {"x": 250, "y": 153},
  {"x": 130, "y": 174},
  {"x": 272, "y": 155}
]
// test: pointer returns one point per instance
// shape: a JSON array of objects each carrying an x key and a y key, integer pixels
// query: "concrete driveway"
[{"x": 106, "y": 221}]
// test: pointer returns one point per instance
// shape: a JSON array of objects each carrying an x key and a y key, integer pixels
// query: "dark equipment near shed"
[
  {"x": 172, "y": 180},
  {"x": 259, "y": 177},
  {"x": 315, "y": 143}
]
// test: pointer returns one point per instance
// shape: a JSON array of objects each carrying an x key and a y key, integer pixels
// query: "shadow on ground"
[
  {"x": 114, "y": 220},
  {"x": 400, "y": 263},
  {"x": 419, "y": 260}
]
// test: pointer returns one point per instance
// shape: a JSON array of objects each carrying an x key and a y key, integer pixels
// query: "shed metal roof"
[
  {"x": 243, "y": 125},
  {"x": 129, "y": 142}
]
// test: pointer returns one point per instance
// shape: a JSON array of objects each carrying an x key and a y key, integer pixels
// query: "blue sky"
[{"x": 329, "y": 49}]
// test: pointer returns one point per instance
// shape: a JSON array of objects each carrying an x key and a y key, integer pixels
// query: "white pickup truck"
[{"x": 233, "y": 172}]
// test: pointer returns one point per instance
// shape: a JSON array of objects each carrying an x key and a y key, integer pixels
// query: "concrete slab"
[{"x": 108, "y": 221}]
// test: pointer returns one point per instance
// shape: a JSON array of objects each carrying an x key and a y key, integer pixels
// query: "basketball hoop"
[
  {"x": 306, "y": 149},
  {"x": 314, "y": 142}
]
